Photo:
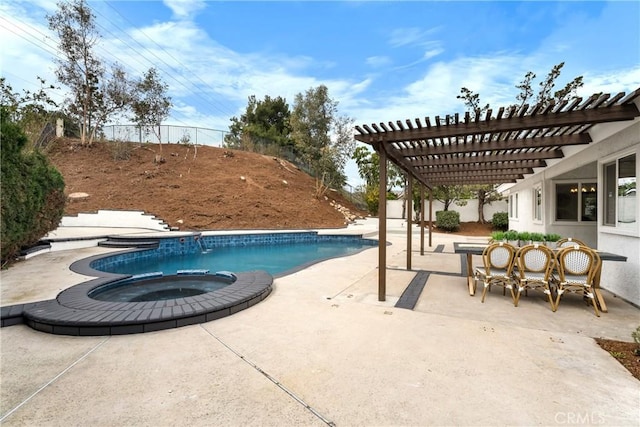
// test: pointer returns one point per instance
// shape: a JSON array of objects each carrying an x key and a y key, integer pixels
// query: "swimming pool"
[
  {"x": 276, "y": 253},
  {"x": 180, "y": 287}
]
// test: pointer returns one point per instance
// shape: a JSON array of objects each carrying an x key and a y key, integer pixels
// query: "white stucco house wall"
[{"x": 590, "y": 194}]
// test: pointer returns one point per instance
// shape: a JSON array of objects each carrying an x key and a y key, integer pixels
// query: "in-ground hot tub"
[
  {"x": 158, "y": 287},
  {"x": 163, "y": 302}
]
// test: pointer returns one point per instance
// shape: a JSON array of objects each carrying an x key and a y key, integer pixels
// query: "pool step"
[{"x": 113, "y": 242}]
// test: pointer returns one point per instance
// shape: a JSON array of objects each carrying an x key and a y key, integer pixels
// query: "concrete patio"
[{"x": 321, "y": 349}]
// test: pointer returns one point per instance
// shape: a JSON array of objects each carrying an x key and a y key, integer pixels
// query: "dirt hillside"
[{"x": 203, "y": 188}]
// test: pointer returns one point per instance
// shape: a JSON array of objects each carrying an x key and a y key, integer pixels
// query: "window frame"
[
  {"x": 513, "y": 206},
  {"x": 538, "y": 203},
  {"x": 580, "y": 184},
  {"x": 602, "y": 165}
]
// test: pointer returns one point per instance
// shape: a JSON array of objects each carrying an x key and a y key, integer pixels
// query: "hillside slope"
[{"x": 206, "y": 188}]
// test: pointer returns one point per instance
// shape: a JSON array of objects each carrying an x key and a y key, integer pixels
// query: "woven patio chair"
[
  {"x": 577, "y": 267},
  {"x": 569, "y": 241},
  {"x": 497, "y": 268},
  {"x": 535, "y": 266}
]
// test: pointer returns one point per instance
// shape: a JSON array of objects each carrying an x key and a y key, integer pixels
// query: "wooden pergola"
[{"x": 483, "y": 149}]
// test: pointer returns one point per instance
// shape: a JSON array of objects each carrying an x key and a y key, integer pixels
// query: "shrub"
[
  {"x": 524, "y": 236},
  {"x": 120, "y": 150},
  {"x": 32, "y": 192},
  {"x": 372, "y": 198},
  {"x": 536, "y": 237},
  {"x": 552, "y": 237},
  {"x": 448, "y": 220},
  {"x": 498, "y": 236},
  {"x": 636, "y": 338},
  {"x": 511, "y": 235},
  {"x": 500, "y": 221}
]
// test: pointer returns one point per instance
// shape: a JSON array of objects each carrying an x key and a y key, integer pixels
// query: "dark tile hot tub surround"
[{"x": 74, "y": 313}]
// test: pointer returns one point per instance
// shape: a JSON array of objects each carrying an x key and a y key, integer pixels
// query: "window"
[
  {"x": 537, "y": 204},
  {"x": 576, "y": 201},
  {"x": 620, "y": 192},
  {"x": 513, "y": 206}
]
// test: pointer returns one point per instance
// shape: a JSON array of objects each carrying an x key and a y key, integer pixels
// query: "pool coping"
[{"x": 73, "y": 312}]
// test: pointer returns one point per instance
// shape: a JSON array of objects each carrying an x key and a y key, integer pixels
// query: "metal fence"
[{"x": 165, "y": 134}]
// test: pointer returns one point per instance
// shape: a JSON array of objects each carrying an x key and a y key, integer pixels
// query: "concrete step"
[{"x": 115, "y": 218}]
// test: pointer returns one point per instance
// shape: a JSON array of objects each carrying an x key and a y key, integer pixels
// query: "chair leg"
[
  {"x": 553, "y": 306},
  {"x": 516, "y": 298},
  {"x": 594, "y": 302},
  {"x": 559, "y": 293},
  {"x": 484, "y": 291},
  {"x": 513, "y": 295}
]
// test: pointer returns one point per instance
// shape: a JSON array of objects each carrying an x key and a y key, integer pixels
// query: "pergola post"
[
  {"x": 382, "y": 225},
  {"x": 409, "y": 201},
  {"x": 430, "y": 215},
  {"x": 422, "y": 220}
]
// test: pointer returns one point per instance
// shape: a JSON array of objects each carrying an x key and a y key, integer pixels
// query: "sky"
[{"x": 380, "y": 60}]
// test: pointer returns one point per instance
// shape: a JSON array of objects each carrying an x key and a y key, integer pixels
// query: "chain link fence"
[{"x": 165, "y": 134}]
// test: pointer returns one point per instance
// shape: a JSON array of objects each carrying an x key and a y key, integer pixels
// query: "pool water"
[
  {"x": 158, "y": 288},
  {"x": 276, "y": 259}
]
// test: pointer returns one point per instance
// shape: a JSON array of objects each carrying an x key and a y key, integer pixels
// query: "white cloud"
[
  {"x": 410, "y": 36},
  {"x": 611, "y": 82},
  {"x": 183, "y": 9},
  {"x": 431, "y": 53},
  {"x": 378, "y": 61}
]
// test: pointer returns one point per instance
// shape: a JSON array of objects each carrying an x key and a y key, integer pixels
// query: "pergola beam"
[
  {"x": 530, "y": 164},
  {"x": 480, "y": 158},
  {"x": 510, "y": 124},
  {"x": 493, "y": 145}
]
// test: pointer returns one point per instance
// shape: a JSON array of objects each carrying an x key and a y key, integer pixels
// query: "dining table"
[{"x": 471, "y": 249}]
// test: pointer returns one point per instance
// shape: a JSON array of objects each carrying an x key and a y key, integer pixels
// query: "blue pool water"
[
  {"x": 158, "y": 288},
  {"x": 275, "y": 259}
]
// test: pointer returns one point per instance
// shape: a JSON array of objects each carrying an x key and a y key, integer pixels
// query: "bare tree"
[{"x": 545, "y": 96}]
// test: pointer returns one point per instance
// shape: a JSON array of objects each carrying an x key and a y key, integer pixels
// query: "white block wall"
[{"x": 468, "y": 213}]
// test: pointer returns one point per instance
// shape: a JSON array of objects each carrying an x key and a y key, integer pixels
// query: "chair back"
[
  {"x": 499, "y": 256},
  {"x": 535, "y": 258},
  {"x": 578, "y": 262},
  {"x": 569, "y": 241}
]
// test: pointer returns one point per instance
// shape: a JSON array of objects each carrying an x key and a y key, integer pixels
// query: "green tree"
[
  {"x": 150, "y": 103},
  {"x": 94, "y": 98},
  {"x": 31, "y": 111},
  {"x": 485, "y": 194},
  {"x": 449, "y": 194},
  {"x": 264, "y": 122},
  {"x": 114, "y": 95},
  {"x": 32, "y": 191},
  {"x": 78, "y": 67},
  {"x": 323, "y": 139},
  {"x": 368, "y": 163}
]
